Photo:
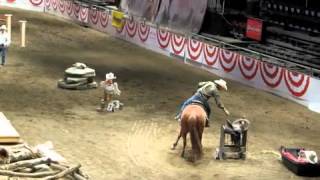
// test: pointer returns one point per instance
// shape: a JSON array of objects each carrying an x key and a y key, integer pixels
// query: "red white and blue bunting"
[
  {"x": 131, "y": 27},
  {"x": 163, "y": 38},
  {"x": 143, "y": 31},
  {"x": 248, "y": 67},
  {"x": 211, "y": 54},
  {"x": 195, "y": 49},
  {"x": 36, "y": 2},
  {"x": 178, "y": 44}
]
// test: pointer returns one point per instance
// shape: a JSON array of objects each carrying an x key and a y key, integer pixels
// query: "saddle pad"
[{"x": 199, "y": 103}]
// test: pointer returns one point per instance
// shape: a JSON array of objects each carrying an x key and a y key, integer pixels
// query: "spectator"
[{"x": 4, "y": 43}]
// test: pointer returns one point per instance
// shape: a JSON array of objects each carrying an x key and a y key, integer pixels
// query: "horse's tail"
[{"x": 195, "y": 139}]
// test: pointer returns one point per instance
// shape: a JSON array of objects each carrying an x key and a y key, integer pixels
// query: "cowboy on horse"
[{"x": 202, "y": 95}]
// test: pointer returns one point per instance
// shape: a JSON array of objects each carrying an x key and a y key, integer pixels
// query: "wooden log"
[
  {"x": 58, "y": 166},
  {"x": 41, "y": 168},
  {"x": 26, "y": 163},
  {"x": 64, "y": 173},
  {"x": 82, "y": 174},
  {"x": 9, "y": 155},
  {"x": 76, "y": 175},
  {"x": 4, "y": 154},
  {"x": 24, "y": 170},
  {"x": 79, "y": 177},
  {"x": 31, "y": 175},
  {"x": 46, "y": 150}
]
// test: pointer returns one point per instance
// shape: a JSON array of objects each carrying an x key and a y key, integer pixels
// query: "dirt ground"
[{"x": 134, "y": 143}]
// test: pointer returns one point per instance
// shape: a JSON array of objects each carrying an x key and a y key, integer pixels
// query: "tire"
[
  {"x": 62, "y": 84},
  {"x": 76, "y": 86}
]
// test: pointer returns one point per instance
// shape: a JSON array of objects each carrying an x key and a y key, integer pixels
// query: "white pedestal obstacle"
[{"x": 78, "y": 77}]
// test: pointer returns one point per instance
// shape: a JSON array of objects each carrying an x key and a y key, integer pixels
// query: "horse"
[{"x": 193, "y": 119}]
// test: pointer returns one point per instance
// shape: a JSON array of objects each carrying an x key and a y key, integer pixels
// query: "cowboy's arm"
[
  {"x": 102, "y": 84},
  {"x": 219, "y": 103},
  {"x": 116, "y": 89},
  {"x": 200, "y": 84},
  {"x": 8, "y": 41}
]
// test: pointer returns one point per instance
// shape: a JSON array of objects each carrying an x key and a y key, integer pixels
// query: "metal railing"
[{"x": 261, "y": 56}]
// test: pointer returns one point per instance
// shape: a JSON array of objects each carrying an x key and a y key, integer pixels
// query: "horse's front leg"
[
  {"x": 184, "y": 144},
  {"x": 176, "y": 143}
]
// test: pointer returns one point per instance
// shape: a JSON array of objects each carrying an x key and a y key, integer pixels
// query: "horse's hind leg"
[
  {"x": 176, "y": 143},
  {"x": 184, "y": 144}
]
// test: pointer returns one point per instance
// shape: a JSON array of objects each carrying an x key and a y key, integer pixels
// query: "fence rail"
[{"x": 261, "y": 56}]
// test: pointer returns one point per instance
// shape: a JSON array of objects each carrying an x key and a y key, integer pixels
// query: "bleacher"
[
  {"x": 290, "y": 34},
  {"x": 292, "y": 31}
]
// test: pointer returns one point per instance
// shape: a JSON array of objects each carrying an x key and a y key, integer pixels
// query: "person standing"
[
  {"x": 4, "y": 44},
  {"x": 110, "y": 88}
]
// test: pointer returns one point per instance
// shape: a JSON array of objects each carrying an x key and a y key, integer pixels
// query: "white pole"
[
  {"x": 8, "y": 20},
  {"x": 23, "y": 33}
]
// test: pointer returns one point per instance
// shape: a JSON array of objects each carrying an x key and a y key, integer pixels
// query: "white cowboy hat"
[
  {"x": 222, "y": 83},
  {"x": 110, "y": 76},
  {"x": 4, "y": 27},
  {"x": 79, "y": 65}
]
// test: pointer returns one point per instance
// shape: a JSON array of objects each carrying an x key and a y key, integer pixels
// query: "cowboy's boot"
[
  {"x": 178, "y": 117},
  {"x": 207, "y": 123},
  {"x": 102, "y": 106}
]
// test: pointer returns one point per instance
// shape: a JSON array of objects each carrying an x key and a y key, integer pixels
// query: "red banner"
[{"x": 254, "y": 29}]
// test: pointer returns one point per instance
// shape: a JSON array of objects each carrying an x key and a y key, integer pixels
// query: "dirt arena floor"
[{"x": 134, "y": 143}]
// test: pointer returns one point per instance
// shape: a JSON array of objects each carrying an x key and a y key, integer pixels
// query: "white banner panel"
[{"x": 34, "y": 5}]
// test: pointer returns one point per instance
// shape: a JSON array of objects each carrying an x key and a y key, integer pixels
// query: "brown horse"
[{"x": 192, "y": 120}]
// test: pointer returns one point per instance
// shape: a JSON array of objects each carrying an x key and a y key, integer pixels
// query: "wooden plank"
[
  {"x": 2, "y": 18},
  {"x": 8, "y": 134}
]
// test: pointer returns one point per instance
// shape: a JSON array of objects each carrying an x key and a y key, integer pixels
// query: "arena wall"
[{"x": 295, "y": 86}]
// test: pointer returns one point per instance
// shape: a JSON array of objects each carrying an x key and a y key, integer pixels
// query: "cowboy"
[
  {"x": 110, "y": 89},
  {"x": 4, "y": 43},
  {"x": 202, "y": 95}
]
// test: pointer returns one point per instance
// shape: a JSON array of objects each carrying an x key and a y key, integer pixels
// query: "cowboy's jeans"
[
  {"x": 3, "y": 51},
  {"x": 197, "y": 98}
]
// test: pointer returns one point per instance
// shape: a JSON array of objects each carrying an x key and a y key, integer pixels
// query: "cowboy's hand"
[{"x": 226, "y": 112}]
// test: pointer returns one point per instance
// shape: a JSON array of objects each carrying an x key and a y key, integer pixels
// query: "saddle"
[
  {"x": 195, "y": 102},
  {"x": 114, "y": 105}
]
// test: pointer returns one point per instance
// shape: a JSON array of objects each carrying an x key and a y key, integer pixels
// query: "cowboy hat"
[
  {"x": 79, "y": 65},
  {"x": 110, "y": 76},
  {"x": 222, "y": 83},
  {"x": 4, "y": 27}
]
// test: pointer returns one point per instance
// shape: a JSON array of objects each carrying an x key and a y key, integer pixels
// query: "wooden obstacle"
[
  {"x": 8, "y": 134},
  {"x": 2, "y": 19}
]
